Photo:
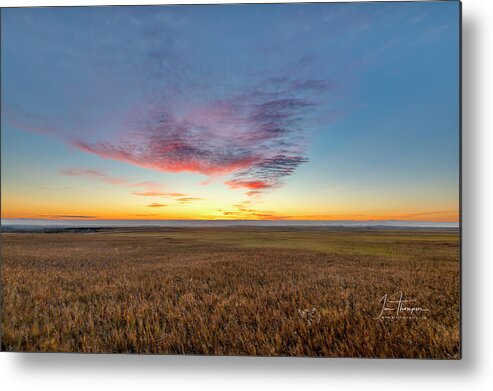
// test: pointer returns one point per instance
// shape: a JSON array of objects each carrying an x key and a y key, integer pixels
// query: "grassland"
[{"x": 235, "y": 291}]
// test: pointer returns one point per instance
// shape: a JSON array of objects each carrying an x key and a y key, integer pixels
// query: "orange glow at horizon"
[
  {"x": 158, "y": 212},
  {"x": 98, "y": 199}
]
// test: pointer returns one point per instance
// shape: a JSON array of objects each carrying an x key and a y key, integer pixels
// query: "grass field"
[{"x": 234, "y": 291}]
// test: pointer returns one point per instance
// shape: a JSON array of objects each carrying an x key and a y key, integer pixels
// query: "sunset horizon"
[{"x": 281, "y": 218}]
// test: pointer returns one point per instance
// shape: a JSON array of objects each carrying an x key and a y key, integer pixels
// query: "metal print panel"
[{"x": 265, "y": 180}]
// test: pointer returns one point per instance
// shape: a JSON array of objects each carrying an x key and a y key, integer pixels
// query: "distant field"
[{"x": 232, "y": 291}]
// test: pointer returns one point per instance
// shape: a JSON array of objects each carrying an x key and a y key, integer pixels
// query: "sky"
[{"x": 342, "y": 111}]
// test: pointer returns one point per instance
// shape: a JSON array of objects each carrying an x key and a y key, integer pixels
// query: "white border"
[{"x": 474, "y": 372}]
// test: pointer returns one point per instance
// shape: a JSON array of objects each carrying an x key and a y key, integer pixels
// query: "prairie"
[{"x": 234, "y": 291}]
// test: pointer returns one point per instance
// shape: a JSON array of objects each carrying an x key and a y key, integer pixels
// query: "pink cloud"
[
  {"x": 169, "y": 158},
  {"x": 257, "y": 135},
  {"x": 248, "y": 184}
]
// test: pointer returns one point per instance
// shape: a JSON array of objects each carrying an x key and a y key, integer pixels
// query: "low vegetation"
[{"x": 235, "y": 291}]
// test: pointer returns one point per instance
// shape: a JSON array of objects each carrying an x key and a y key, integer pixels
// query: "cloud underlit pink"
[{"x": 259, "y": 136}]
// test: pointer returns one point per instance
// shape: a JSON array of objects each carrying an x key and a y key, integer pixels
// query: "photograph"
[{"x": 279, "y": 180}]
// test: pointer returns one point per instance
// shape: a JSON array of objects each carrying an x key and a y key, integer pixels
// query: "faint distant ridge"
[{"x": 45, "y": 225}]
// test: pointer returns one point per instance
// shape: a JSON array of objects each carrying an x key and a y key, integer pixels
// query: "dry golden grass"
[{"x": 244, "y": 291}]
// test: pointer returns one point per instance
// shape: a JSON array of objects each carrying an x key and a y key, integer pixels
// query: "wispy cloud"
[
  {"x": 247, "y": 184},
  {"x": 156, "y": 205},
  {"x": 440, "y": 215},
  {"x": 258, "y": 135},
  {"x": 97, "y": 174},
  {"x": 266, "y": 174},
  {"x": 149, "y": 187},
  {"x": 186, "y": 200},
  {"x": 246, "y": 210},
  {"x": 20, "y": 118},
  {"x": 429, "y": 213},
  {"x": 157, "y": 194},
  {"x": 252, "y": 214},
  {"x": 82, "y": 217},
  {"x": 181, "y": 198}
]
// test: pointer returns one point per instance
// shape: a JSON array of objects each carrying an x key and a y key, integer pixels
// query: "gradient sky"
[{"x": 314, "y": 111}]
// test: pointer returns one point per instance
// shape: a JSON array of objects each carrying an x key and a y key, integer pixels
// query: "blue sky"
[{"x": 291, "y": 111}]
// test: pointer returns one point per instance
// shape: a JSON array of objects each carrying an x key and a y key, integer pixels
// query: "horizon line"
[{"x": 278, "y": 219}]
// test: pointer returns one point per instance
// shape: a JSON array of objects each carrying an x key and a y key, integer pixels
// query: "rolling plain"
[{"x": 234, "y": 291}]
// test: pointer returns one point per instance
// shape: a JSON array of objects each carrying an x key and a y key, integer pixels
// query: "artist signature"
[{"x": 395, "y": 306}]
